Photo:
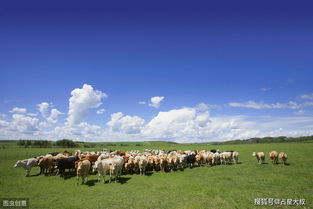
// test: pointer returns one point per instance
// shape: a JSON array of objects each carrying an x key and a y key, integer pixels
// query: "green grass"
[{"x": 223, "y": 186}]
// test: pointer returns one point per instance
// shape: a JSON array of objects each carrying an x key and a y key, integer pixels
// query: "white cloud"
[
  {"x": 23, "y": 124},
  {"x": 261, "y": 105},
  {"x": 177, "y": 123},
  {"x": 202, "y": 107},
  {"x": 156, "y": 101},
  {"x": 32, "y": 114},
  {"x": 307, "y": 96},
  {"x": 44, "y": 109},
  {"x": 53, "y": 118},
  {"x": 4, "y": 123},
  {"x": 125, "y": 124},
  {"x": 299, "y": 112},
  {"x": 186, "y": 124},
  {"x": 50, "y": 115},
  {"x": 101, "y": 111},
  {"x": 142, "y": 102},
  {"x": 18, "y": 110},
  {"x": 264, "y": 89},
  {"x": 81, "y": 101}
]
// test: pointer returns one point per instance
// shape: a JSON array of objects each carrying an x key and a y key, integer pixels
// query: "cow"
[
  {"x": 191, "y": 159},
  {"x": 46, "y": 164},
  {"x": 283, "y": 157},
  {"x": 143, "y": 163},
  {"x": 103, "y": 167},
  {"x": 259, "y": 156},
  {"x": 163, "y": 163},
  {"x": 83, "y": 168},
  {"x": 116, "y": 167},
  {"x": 66, "y": 163},
  {"x": 273, "y": 156},
  {"x": 235, "y": 157},
  {"x": 27, "y": 164}
]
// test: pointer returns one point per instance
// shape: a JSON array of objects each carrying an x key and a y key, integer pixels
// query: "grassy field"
[{"x": 223, "y": 186}]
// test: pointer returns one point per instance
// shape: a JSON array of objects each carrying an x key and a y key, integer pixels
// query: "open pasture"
[{"x": 221, "y": 186}]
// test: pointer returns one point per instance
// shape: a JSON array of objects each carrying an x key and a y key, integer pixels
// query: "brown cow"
[{"x": 46, "y": 164}]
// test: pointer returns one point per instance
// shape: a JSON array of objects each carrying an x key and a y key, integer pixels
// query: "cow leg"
[
  {"x": 41, "y": 170},
  {"x": 27, "y": 172},
  {"x": 99, "y": 176}
]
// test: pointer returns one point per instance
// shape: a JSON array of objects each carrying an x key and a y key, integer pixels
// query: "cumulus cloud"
[
  {"x": 53, "y": 118},
  {"x": 50, "y": 115},
  {"x": 18, "y": 110},
  {"x": 44, "y": 109},
  {"x": 23, "y": 124},
  {"x": 81, "y": 101},
  {"x": 261, "y": 105},
  {"x": 4, "y": 123},
  {"x": 307, "y": 96},
  {"x": 156, "y": 101},
  {"x": 126, "y": 124},
  {"x": 177, "y": 123},
  {"x": 101, "y": 111},
  {"x": 142, "y": 102}
]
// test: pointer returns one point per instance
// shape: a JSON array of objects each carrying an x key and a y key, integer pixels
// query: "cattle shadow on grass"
[
  {"x": 91, "y": 183},
  {"x": 149, "y": 173},
  {"x": 123, "y": 180},
  {"x": 67, "y": 176}
]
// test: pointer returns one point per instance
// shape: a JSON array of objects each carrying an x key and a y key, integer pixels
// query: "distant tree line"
[
  {"x": 279, "y": 139},
  {"x": 66, "y": 143},
  {"x": 45, "y": 143}
]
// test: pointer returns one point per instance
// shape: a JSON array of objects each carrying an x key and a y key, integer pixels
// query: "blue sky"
[{"x": 250, "y": 63}]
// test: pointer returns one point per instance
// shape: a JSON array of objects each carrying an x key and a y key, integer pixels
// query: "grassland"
[{"x": 223, "y": 186}]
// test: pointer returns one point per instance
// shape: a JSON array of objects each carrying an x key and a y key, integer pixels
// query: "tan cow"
[
  {"x": 274, "y": 157},
  {"x": 283, "y": 157},
  {"x": 83, "y": 168},
  {"x": 259, "y": 156}
]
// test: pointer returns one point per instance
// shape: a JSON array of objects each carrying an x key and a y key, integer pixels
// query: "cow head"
[{"x": 18, "y": 164}]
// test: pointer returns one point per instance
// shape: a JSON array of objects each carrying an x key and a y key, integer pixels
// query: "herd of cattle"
[
  {"x": 273, "y": 155},
  {"x": 116, "y": 162}
]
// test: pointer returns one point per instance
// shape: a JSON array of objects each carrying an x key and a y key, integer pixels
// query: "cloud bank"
[{"x": 185, "y": 124}]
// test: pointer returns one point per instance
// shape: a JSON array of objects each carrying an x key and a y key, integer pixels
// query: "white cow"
[
  {"x": 143, "y": 162},
  {"x": 116, "y": 167},
  {"x": 27, "y": 164},
  {"x": 103, "y": 167}
]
